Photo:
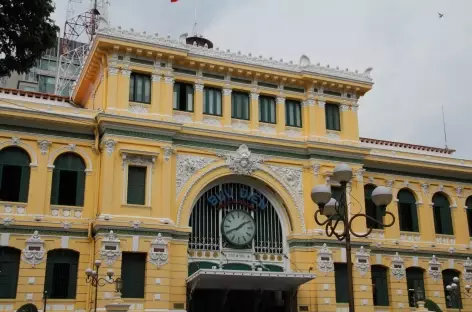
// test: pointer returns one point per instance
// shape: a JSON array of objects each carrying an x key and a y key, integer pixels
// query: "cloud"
[{"x": 420, "y": 62}]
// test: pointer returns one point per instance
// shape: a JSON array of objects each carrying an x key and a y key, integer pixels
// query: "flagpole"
[{"x": 195, "y": 18}]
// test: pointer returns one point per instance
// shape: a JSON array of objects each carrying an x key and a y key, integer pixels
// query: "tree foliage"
[
  {"x": 432, "y": 306},
  {"x": 26, "y": 32}
]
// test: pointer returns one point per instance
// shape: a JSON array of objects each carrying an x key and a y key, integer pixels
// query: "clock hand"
[{"x": 238, "y": 227}]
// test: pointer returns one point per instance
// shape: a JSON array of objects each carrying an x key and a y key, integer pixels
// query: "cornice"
[{"x": 236, "y": 58}]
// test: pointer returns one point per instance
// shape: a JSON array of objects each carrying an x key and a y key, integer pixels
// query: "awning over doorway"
[{"x": 247, "y": 280}]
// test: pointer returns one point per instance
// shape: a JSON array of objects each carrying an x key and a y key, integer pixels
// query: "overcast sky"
[{"x": 420, "y": 61}]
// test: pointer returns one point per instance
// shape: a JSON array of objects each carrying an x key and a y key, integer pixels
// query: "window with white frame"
[{"x": 137, "y": 178}]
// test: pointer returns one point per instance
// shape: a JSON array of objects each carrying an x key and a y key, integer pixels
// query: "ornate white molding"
[
  {"x": 44, "y": 146},
  {"x": 308, "y": 103},
  {"x": 389, "y": 183},
  {"x": 362, "y": 261},
  {"x": 316, "y": 169},
  {"x": 236, "y": 57},
  {"x": 75, "y": 149},
  {"x": 109, "y": 145},
  {"x": 241, "y": 161},
  {"x": 7, "y": 221},
  {"x": 467, "y": 273},
  {"x": 156, "y": 78},
  {"x": 113, "y": 71},
  {"x": 434, "y": 269},
  {"x": 280, "y": 100},
  {"x": 293, "y": 132},
  {"x": 182, "y": 118},
  {"x": 266, "y": 128},
  {"x": 321, "y": 104},
  {"x": 126, "y": 72},
  {"x": 188, "y": 165},
  {"x": 34, "y": 251},
  {"x": 239, "y": 125},
  {"x": 459, "y": 191},
  {"x": 110, "y": 250},
  {"x": 212, "y": 121},
  {"x": 360, "y": 175},
  {"x": 168, "y": 150},
  {"x": 138, "y": 108},
  {"x": 254, "y": 96},
  {"x": 344, "y": 108},
  {"x": 355, "y": 108},
  {"x": 137, "y": 159},
  {"x": 159, "y": 252},
  {"x": 397, "y": 267},
  {"x": 325, "y": 260},
  {"x": 425, "y": 187},
  {"x": 227, "y": 91},
  {"x": 198, "y": 87},
  {"x": 169, "y": 80}
]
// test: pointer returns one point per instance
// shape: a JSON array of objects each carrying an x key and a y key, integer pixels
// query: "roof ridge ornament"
[{"x": 242, "y": 162}]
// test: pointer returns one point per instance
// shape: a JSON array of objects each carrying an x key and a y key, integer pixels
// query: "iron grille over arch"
[{"x": 211, "y": 207}]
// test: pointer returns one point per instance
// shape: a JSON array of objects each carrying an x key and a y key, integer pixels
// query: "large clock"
[{"x": 238, "y": 228}]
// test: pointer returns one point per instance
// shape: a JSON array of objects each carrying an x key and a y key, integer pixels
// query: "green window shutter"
[
  {"x": 176, "y": 98},
  {"x": 61, "y": 274},
  {"x": 371, "y": 209},
  {"x": 9, "y": 270},
  {"x": 414, "y": 280},
  {"x": 437, "y": 220},
  {"x": 206, "y": 106},
  {"x": 446, "y": 221},
  {"x": 131, "y": 87},
  {"x": 380, "y": 285},
  {"x": 133, "y": 273},
  {"x": 79, "y": 200},
  {"x": 24, "y": 183},
  {"x": 340, "y": 277},
  {"x": 414, "y": 218},
  {"x": 468, "y": 203},
  {"x": 72, "y": 290},
  {"x": 48, "y": 282},
  {"x": 147, "y": 89},
  {"x": 55, "y": 186},
  {"x": 442, "y": 214},
  {"x": 136, "y": 185}
]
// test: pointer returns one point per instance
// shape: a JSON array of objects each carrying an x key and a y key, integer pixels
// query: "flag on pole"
[{"x": 173, "y": 1}]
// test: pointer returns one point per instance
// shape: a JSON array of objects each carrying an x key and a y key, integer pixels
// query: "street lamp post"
[
  {"x": 454, "y": 292},
  {"x": 338, "y": 211},
  {"x": 93, "y": 278}
]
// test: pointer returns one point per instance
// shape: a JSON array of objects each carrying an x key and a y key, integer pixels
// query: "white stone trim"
[
  {"x": 140, "y": 160},
  {"x": 70, "y": 148},
  {"x": 14, "y": 141}
]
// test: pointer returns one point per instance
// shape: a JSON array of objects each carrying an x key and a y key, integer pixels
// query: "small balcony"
[{"x": 66, "y": 211}]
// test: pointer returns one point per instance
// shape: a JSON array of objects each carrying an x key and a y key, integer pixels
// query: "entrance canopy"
[{"x": 247, "y": 280}]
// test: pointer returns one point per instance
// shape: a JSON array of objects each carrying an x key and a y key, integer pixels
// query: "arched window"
[
  {"x": 9, "y": 268},
  {"x": 442, "y": 214},
  {"x": 61, "y": 273},
  {"x": 380, "y": 285},
  {"x": 14, "y": 174},
  {"x": 29, "y": 307},
  {"x": 468, "y": 203},
  {"x": 452, "y": 301},
  {"x": 371, "y": 209},
  {"x": 407, "y": 211},
  {"x": 68, "y": 180},
  {"x": 336, "y": 193},
  {"x": 414, "y": 281}
]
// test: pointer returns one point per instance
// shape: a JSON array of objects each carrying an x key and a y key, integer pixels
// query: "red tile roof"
[{"x": 408, "y": 146}]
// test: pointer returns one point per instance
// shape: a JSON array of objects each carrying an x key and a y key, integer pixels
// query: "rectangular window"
[
  {"x": 267, "y": 109},
  {"x": 136, "y": 185},
  {"x": 293, "y": 113},
  {"x": 332, "y": 117},
  {"x": 133, "y": 273},
  {"x": 340, "y": 279},
  {"x": 211, "y": 101},
  {"x": 183, "y": 97},
  {"x": 140, "y": 88},
  {"x": 240, "y": 105},
  {"x": 379, "y": 286}
]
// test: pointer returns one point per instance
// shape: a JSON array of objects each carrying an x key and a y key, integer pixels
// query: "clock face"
[{"x": 238, "y": 228}]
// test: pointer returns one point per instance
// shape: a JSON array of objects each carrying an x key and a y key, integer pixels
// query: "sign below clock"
[{"x": 244, "y": 197}]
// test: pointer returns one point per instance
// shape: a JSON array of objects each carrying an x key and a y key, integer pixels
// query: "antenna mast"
[
  {"x": 444, "y": 127},
  {"x": 71, "y": 53}
]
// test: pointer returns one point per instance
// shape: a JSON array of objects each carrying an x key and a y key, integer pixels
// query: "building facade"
[{"x": 187, "y": 170}]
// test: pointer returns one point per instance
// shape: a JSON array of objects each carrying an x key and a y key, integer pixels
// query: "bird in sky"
[{"x": 440, "y": 15}]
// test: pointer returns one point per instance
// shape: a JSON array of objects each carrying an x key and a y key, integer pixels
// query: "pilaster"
[
  {"x": 280, "y": 115},
  {"x": 349, "y": 127},
  {"x": 254, "y": 124},
  {"x": 459, "y": 221},
  {"x": 167, "y": 94},
  {"x": 320, "y": 118},
  {"x": 123, "y": 88},
  {"x": 198, "y": 108},
  {"x": 167, "y": 192},
  {"x": 227, "y": 106},
  {"x": 156, "y": 89},
  {"x": 107, "y": 172},
  {"x": 426, "y": 218},
  {"x": 112, "y": 87}
]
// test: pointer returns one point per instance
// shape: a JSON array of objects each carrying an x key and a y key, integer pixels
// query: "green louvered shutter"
[
  {"x": 136, "y": 185},
  {"x": 24, "y": 184},
  {"x": 340, "y": 277},
  {"x": 380, "y": 285},
  {"x": 446, "y": 221},
  {"x": 9, "y": 269},
  {"x": 133, "y": 268},
  {"x": 189, "y": 97},
  {"x": 79, "y": 195},
  {"x": 72, "y": 291},
  {"x": 414, "y": 217},
  {"x": 55, "y": 186},
  {"x": 414, "y": 280},
  {"x": 48, "y": 282}
]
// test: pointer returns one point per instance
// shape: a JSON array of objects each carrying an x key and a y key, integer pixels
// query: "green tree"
[
  {"x": 26, "y": 32},
  {"x": 432, "y": 306}
]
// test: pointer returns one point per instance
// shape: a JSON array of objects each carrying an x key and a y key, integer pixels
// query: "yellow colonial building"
[{"x": 187, "y": 171}]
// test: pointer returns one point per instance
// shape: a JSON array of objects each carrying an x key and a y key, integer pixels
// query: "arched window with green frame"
[
  {"x": 442, "y": 214},
  {"x": 407, "y": 211},
  {"x": 61, "y": 273},
  {"x": 468, "y": 204},
  {"x": 68, "y": 180},
  {"x": 14, "y": 174}
]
